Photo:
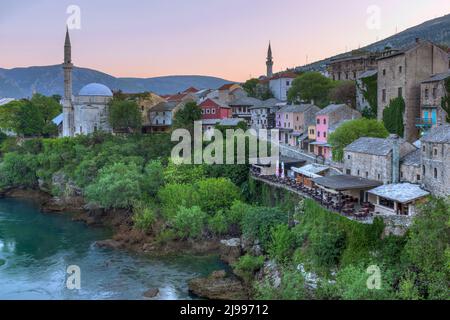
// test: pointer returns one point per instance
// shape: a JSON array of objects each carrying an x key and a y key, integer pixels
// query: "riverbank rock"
[
  {"x": 218, "y": 286},
  {"x": 152, "y": 293},
  {"x": 271, "y": 272},
  {"x": 230, "y": 250},
  {"x": 110, "y": 244}
]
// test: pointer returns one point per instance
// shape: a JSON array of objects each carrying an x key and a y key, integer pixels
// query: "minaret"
[
  {"x": 68, "y": 120},
  {"x": 269, "y": 62}
]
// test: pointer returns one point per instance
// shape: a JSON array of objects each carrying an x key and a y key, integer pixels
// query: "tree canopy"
[
  {"x": 311, "y": 86},
  {"x": 250, "y": 86},
  {"x": 353, "y": 130},
  {"x": 186, "y": 117},
  {"x": 344, "y": 92},
  {"x": 31, "y": 118},
  {"x": 125, "y": 115}
]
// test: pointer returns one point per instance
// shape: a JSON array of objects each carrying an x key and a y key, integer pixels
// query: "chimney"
[{"x": 395, "y": 158}]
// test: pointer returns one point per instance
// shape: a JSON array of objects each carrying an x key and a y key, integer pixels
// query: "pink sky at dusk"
[{"x": 228, "y": 39}]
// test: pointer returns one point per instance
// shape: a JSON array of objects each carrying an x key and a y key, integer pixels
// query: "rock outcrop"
[
  {"x": 218, "y": 286},
  {"x": 230, "y": 250}
]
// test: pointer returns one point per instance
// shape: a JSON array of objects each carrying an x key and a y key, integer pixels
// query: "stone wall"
[{"x": 436, "y": 156}]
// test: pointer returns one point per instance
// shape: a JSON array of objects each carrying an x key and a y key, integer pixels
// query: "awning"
[
  {"x": 311, "y": 170},
  {"x": 346, "y": 182}
]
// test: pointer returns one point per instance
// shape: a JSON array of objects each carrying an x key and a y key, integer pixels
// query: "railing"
[{"x": 425, "y": 122}]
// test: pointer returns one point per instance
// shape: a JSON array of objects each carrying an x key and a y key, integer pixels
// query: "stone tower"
[
  {"x": 67, "y": 102},
  {"x": 269, "y": 62}
]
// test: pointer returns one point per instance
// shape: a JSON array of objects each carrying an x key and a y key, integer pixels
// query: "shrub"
[
  {"x": 257, "y": 223},
  {"x": 183, "y": 174},
  {"x": 247, "y": 266},
  {"x": 282, "y": 245},
  {"x": 143, "y": 216},
  {"x": 218, "y": 223},
  {"x": 172, "y": 196},
  {"x": 18, "y": 170},
  {"x": 165, "y": 236},
  {"x": 292, "y": 287},
  {"x": 216, "y": 194},
  {"x": 117, "y": 186},
  {"x": 154, "y": 178},
  {"x": 189, "y": 222}
]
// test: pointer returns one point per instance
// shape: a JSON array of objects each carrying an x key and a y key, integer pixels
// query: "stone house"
[
  {"x": 293, "y": 122},
  {"x": 241, "y": 107},
  {"x": 376, "y": 158},
  {"x": 351, "y": 67},
  {"x": 327, "y": 120},
  {"x": 400, "y": 73},
  {"x": 435, "y": 147},
  {"x": 146, "y": 103},
  {"x": 432, "y": 91},
  {"x": 263, "y": 115},
  {"x": 229, "y": 92},
  {"x": 161, "y": 116},
  {"x": 280, "y": 84},
  {"x": 410, "y": 167}
]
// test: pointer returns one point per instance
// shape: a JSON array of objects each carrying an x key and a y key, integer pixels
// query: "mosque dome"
[{"x": 96, "y": 89}]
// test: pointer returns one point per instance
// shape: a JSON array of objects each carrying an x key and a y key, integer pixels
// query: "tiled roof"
[
  {"x": 400, "y": 192},
  {"x": 439, "y": 134},
  {"x": 437, "y": 77},
  {"x": 332, "y": 108},
  {"x": 216, "y": 102},
  {"x": 246, "y": 101},
  {"x": 164, "y": 106},
  {"x": 191, "y": 90},
  {"x": 298, "y": 108},
  {"x": 412, "y": 158},
  {"x": 374, "y": 146},
  {"x": 226, "y": 86},
  {"x": 285, "y": 75},
  {"x": 368, "y": 73}
]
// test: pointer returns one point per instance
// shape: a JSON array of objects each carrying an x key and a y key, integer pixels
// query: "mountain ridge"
[{"x": 48, "y": 80}]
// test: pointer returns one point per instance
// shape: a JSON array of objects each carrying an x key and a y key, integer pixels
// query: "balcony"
[{"x": 425, "y": 123}]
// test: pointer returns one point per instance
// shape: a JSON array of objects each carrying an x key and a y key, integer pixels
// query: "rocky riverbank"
[{"x": 219, "y": 285}]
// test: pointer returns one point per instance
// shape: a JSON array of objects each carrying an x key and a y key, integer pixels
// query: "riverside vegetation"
[{"x": 296, "y": 237}]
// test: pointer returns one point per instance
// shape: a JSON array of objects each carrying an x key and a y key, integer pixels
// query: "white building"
[{"x": 280, "y": 84}]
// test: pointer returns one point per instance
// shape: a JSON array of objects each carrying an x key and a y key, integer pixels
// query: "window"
[
  {"x": 142, "y": 108},
  {"x": 400, "y": 92},
  {"x": 418, "y": 177},
  {"x": 426, "y": 94},
  {"x": 423, "y": 170},
  {"x": 81, "y": 129},
  {"x": 318, "y": 121},
  {"x": 339, "y": 76},
  {"x": 423, "y": 149},
  {"x": 318, "y": 134},
  {"x": 379, "y": 176},
  {"x": 346, "y": 76},
  {"x": 348, "y": 172},
  {"x": 354, "y": 75},
  {"x": 358, "y": 172},
  {"x": 208, "y": 111},
  {"x": 213, "y": 111},
  {"x": 435, "y": 173},
  {"x": 288, "y": 83},
  {"x": 400, "y": 69},
  {"x": 435, "y": 151},
  {"x": 349, "y": 157},
  {"x": 287, "y": 117},
  {"x": 434, "y": 93},
  {"x": 401, "y": 174},
  {"x": 386, "y": 203},
  {"x": 383, "y": 95},
  {"x": 384, "y": 72},
  {"x": 297, "y": 118},
  {"x": 324, "y": 121},
  {"x": 367, "y": 174},
  {"x": 324, "y": 134},
  {"x": 203, "y": 111}
]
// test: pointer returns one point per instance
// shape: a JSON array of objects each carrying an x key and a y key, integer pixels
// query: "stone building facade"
[
  {"x": 432, "y": 91},
  {"x": 410, "y": 167},
  {"x": 351, "y": 67},
  {"x": 400, "y": 73},
  {"x": 376, "y": 158},
  {"x": 435, "y": 148},
  {"x": 361, "y": 102}
]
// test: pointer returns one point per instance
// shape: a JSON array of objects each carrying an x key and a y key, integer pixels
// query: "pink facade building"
[{"x": 327, "y": 121}]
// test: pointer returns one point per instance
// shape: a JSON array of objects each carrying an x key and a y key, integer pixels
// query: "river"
[{"x": 36, "y": 249}]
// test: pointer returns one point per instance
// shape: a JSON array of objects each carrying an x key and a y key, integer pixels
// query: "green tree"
[
  {"x": 351, "y": 131},
  {"x": 250, "y": 86},
  {"x": 311, "y": 86},
  {"x": 154, "y": 177},
  {"x": 49, "y": 108},
  {"x": 393, "y": 116},
  {"x": 125, "y": 115},
  {"x": 186, "y": 117},
  {"x": 117, "y": 186},
  {"x": 369, "y": 90},
  {"x": 216, "y": 194},
  {"x": 18, "y": 170}
]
